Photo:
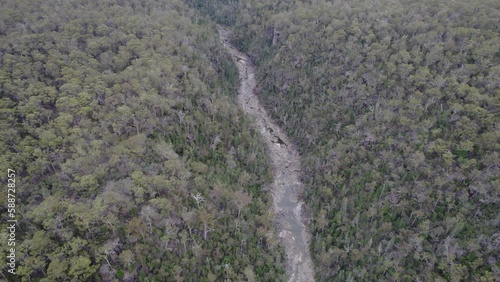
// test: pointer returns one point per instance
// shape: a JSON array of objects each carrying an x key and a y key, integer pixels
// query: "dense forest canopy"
[
  {"x": 133, "y": 162},
  {"x": 395, "y": 107}
]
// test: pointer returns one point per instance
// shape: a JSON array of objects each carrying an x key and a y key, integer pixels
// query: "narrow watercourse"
[{"x": 286, "y": 164}]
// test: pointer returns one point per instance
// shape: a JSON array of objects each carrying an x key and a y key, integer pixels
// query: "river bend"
[{"x": 286, "y": 164}]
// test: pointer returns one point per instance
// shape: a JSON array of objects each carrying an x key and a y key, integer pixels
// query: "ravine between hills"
[{"x": 286, "y": 164}]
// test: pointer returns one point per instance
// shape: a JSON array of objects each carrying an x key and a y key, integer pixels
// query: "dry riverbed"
[{"x": 286, "y": 164}]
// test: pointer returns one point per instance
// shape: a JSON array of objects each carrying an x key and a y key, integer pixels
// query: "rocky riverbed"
[{"x": 286, "y": 164}]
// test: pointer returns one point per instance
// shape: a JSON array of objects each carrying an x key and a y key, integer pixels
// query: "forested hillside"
[
  {"x": 395, "y": 107},
  {"x": 133, "y": 161}
]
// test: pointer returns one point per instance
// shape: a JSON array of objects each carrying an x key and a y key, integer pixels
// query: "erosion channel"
[{"x": 286, "y": 164}]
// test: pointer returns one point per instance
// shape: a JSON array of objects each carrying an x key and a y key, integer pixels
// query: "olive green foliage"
[
  {"x": 394, "y": 105},
  {"x": 223, "y": 11},
  {"x": 133, "y": 161}
]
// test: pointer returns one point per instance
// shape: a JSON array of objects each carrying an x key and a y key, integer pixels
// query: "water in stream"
[{"x": 286, "y": 163}]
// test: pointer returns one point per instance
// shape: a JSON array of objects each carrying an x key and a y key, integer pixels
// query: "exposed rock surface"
[{"x": 286, "y": 163}]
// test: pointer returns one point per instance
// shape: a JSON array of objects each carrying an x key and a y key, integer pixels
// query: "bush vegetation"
[
  {"x": 133, "y": 161},
  {"x": 394, "y": 105}
]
